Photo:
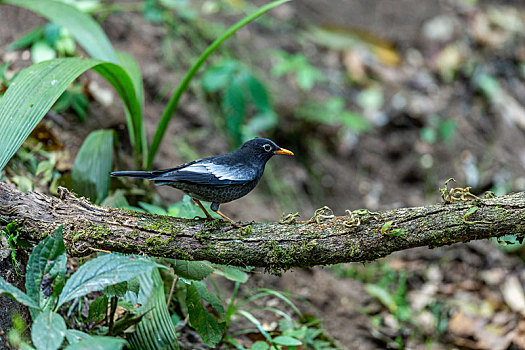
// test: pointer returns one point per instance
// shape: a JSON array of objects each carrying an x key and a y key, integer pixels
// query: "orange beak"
[{"x": 284, "y": 151}]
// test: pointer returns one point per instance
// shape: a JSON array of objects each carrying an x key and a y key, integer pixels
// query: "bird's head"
[{"x": 263, "y": 149}]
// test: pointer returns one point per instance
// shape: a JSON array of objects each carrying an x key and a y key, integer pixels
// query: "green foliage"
[
  {"x": 35, "y": 89},
  {"x": 174, "y": 101},
  {"x": 48, "y": 331},
  {"x": 98, "y": 343},
  {"x": 191, "y": 270},
  {"x": 46, "y": 271},
  {"x": 391, "y": 291},
  {"x": 82, "y": 27},
  {"x": 46, "y": 42},
  {"x": 155, "y": 331},
  {"x": 104, "y": 271},
  {"x": 240, "y": 93},
  {"x": 75, "y": 99},
  {"x": 333, "y": 112},
  {"x": 11, "y": 233},
  {"x": 183, "y": 209},
  {"x": 92, "y": 165},
  {"x": 204, "y": 323},
  {"x": 98, "y": 309},
  {"x": 438, "y": 128},
  {"x": 305, "y": 74},
  {"x": 18, "y": 295},
  {"x": 91, "y": 37}
]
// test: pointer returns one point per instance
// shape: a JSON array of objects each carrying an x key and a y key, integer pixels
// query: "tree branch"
[{"x": 326, "y": 239}]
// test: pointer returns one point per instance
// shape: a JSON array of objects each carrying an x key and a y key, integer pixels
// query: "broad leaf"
[
  {"x": 286, "y": 341},
  {"x": 34, "y": 90},
  {"x": 204, "y": 323},
  {"x": 92, "y": 165},
  {"x": 17, "y": 294},
  {"x": 106, "y": 270},
  {"x": 192, "y": 270},
  {"x": 120, "y": 289},
  {"x": 155, "y": 330},
  {"x": 211, "y": 298},
  {"x": 46, "y": 270},
  {"x": 84, "y": 29},
  {"x": 98, "y": 309},
  {"x": 74, "y": 336},
  {"x": 48, "y": 331},
  {"x": 98, "y": 343},
  {"x": 232, "y": 273}
]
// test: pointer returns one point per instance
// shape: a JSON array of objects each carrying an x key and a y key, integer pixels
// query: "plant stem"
[{"x": 174, "y": 101}]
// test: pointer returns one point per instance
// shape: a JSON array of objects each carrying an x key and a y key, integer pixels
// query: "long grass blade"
[
  {"x": 35, "y": 89},
  {"x": 174, "y": 101},
  {"x": 85, "y": 30}
]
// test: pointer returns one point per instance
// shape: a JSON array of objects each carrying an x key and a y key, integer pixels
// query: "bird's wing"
[{"x": 209, "y": 173}]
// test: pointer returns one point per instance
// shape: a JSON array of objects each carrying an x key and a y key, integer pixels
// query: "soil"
[{"x": 389, "y": 166}]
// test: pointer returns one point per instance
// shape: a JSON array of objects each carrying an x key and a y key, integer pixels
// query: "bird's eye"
[{"x": 267, "y": 147}]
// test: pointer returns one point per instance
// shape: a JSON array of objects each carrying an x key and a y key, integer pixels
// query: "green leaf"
[
  {"x": 26, "y": 39},
  {"x": 48, "y": 331},
  {"x": 137, "y": 133},
  {"x": 258, "y": 93},
  {"x": 200, "y": 319},
  {"x": 211, "y": 298},
  {"x": 105, "y": 270},
  {"x": 186, "y": 209},
  {"x": 153, "y": 209},
  {"x": 75, "y": 336},
  {"x": 98, "y": 343},
  {"x": 257, "y": 324},
  {"x": 232, "y": 273},
  {"x": 386, "y": 226},
  {"x": 35, "y": 89},
  {"x": 46, "y": 271},
  {"x": 155, "y": 331},
  {"x": 17, "y": 294},
  {"x": 42, "y": 51},
  {"x": 286, "y": 341},
  {"x": 83, "y": 28},
  {"x": 218, "y": 76},
  {"x": 192, "y": 270},
  {"x": 355, "y": 121},
  {"x": 51, "y": 33},
  {"x": 260, "y": 345},
  {"x": 234, "y": 108},
  {"x": 120, "y": 289},
  {"x": 383, "y": 296},
  {"x": 98, "y": 309},
  {"x": 93, "y": 164},
  {"x": 116, "y": 200}
]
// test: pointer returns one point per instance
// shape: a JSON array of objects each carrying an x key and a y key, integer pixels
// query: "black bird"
[{"x": 218, "y": 179}]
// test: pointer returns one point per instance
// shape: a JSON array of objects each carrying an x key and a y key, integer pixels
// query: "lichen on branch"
[{"x": 325, "y": 239}]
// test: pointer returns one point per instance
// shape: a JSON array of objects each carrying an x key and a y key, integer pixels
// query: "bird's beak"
[{"x": 283, "y": 151}]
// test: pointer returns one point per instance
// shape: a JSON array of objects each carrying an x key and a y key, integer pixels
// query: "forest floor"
[{"x": 443, "y": 94}]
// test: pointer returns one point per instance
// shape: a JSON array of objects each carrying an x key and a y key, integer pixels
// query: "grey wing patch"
[{"x": 210, "y": 173}]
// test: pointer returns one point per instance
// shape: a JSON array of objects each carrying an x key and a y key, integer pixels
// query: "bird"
[{"x": 217, "y": 179}]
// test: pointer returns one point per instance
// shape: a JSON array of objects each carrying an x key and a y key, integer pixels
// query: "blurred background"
[{"x": 381, "y": 101}]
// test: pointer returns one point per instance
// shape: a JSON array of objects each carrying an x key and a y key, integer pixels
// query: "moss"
[
  {"x": 154, "y": 240},
  {"x": 277, "y": 258}
]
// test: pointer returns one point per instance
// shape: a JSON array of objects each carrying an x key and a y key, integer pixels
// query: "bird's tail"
[{"x": 139, "y": 174}]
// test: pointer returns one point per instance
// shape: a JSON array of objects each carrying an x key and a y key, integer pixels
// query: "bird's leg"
[
  {"x": 202, "y": 207},
  {"x": 215, "y": 207}
]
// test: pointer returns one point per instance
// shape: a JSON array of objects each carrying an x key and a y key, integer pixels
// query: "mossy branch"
[{"x": 325, "y": 239}]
